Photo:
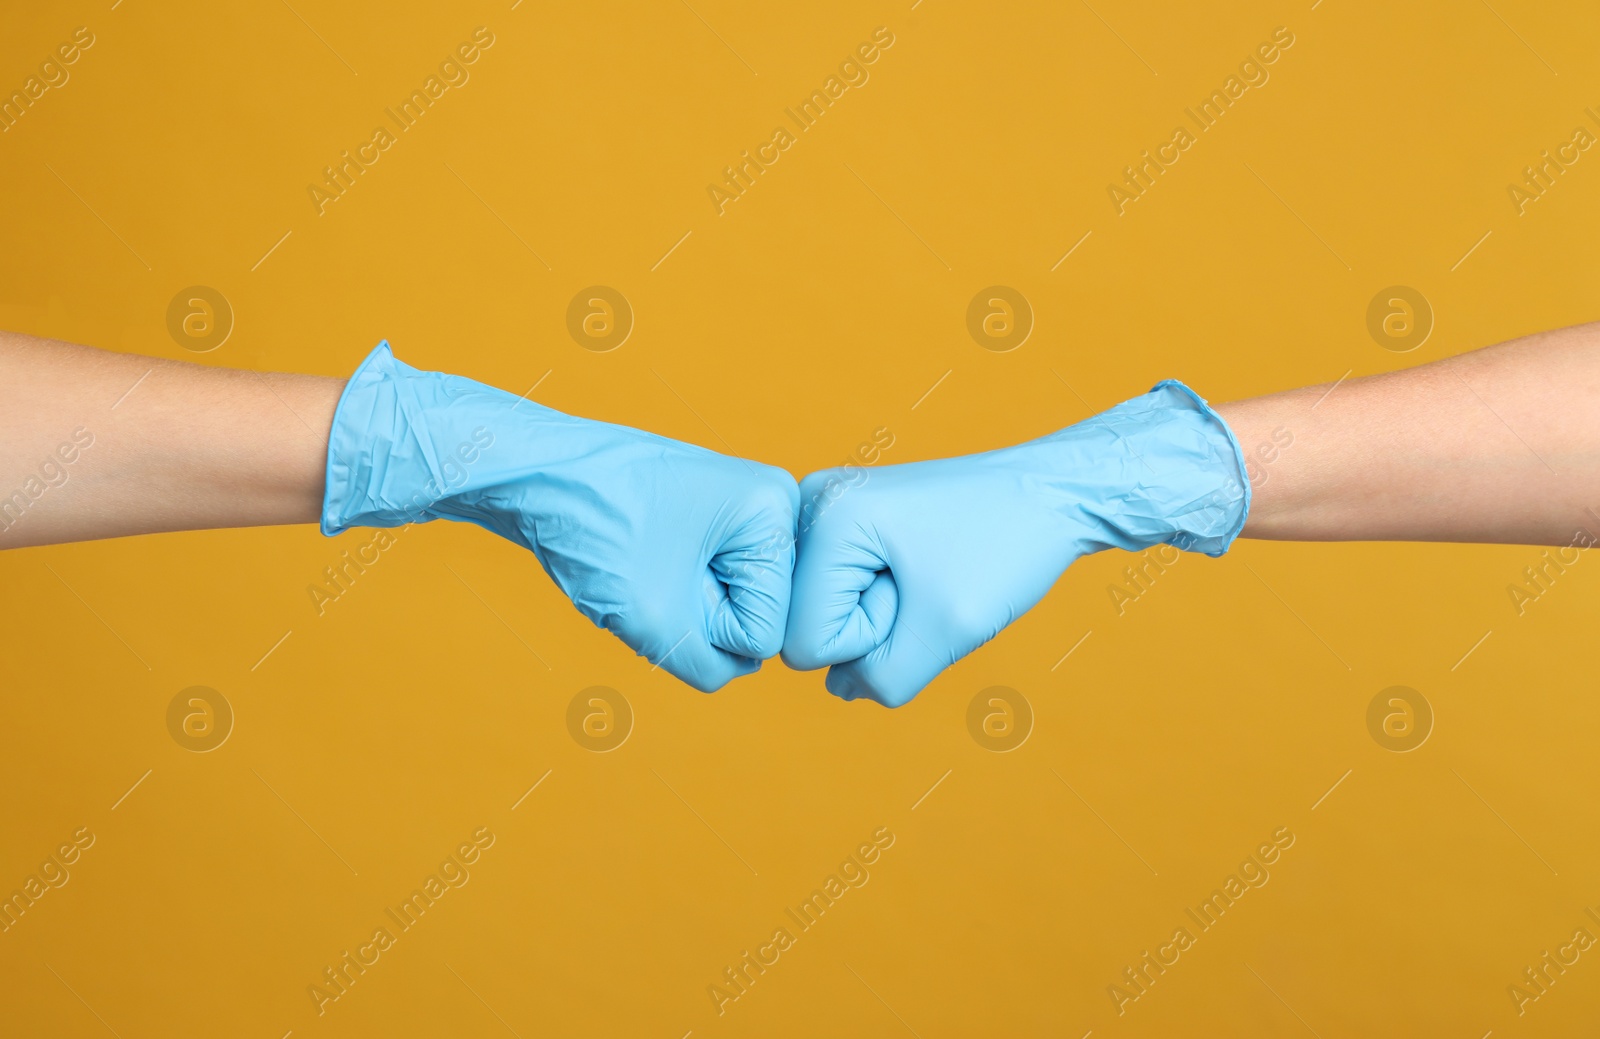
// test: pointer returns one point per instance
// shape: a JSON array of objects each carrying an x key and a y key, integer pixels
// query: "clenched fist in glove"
[
  {"x": 682, "y": 553},
  {"x": 903, "y": 575}
]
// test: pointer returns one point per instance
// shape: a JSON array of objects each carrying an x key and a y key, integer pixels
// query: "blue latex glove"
[
  {"x": 682, "y": 553},
  {"x": 917, "y": 565}
]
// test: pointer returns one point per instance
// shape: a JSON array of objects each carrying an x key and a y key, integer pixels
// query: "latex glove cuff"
[
  {"x": 396, "y": 453},
  {"x": 1162, "y": 468}
]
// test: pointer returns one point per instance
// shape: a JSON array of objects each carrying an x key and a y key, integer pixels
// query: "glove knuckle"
[
  {"x": 883, "y": 684},
  {"x": 803, "y": 653},
  {"x": 827, "y": 508},
  {"x": 893, "y": 698},
  {"x": 763, "y": 634},
  {"x": 776, "y": 499},
  {"x": 825, "y": 483},
  {"x": 702, "y": 683},
  {"x": 769, "y": 643},
  {"x": 782, "y": 481}
]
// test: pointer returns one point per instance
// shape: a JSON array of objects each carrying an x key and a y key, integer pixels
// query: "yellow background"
[{"x": 1223, "y": 704}]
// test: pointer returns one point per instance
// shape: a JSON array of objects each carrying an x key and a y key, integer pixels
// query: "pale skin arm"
[
  {"x": 175, "y": 446},
  {"x": 1497, "y": 445}
]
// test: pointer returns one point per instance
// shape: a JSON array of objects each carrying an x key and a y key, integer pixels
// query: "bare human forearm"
[
  {"x": 1498, "y": 445},
  {"x": 96, "y": 444}
]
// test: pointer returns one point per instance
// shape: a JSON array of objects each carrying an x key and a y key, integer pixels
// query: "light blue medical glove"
[
  {"x": 904, "y": 570},
  {"x": 682, "y": 553}
]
